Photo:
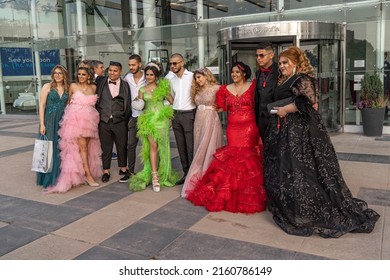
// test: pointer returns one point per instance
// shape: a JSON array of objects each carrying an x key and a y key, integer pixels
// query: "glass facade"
[{"x": 68, "y": 31}]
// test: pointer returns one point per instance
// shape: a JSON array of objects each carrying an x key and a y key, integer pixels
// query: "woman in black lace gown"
[{"x": 306, "y": 191}]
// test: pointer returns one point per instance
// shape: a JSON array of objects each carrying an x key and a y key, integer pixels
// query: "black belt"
[{"x": 184, "y": 111}]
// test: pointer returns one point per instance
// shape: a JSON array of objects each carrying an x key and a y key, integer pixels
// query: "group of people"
[{"x": 278, "y": 153}]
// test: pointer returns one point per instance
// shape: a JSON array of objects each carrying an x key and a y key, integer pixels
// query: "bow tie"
[
  {"x": 265, "y": 70},
  {"x": 112, "y": 82}
]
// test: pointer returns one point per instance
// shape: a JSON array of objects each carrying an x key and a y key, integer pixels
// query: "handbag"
[
  {"x": 42, "y": 160},
  {"x": 279, "y": 103}
]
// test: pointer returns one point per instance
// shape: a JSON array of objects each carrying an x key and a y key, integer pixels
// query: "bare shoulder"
[
  {"x": 73, "y": 86},
  {"x": 45, "y": 88}
]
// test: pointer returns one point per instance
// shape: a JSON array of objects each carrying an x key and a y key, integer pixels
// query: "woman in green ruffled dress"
[{"x": 153, "y": 130}]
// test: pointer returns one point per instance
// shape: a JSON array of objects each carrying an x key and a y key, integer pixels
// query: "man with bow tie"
[
  {"x": 114, "y": 108},
  {"x": 266, "y": 80}
]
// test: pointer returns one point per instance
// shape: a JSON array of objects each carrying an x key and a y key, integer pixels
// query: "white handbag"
[{"x": 42, "y": 160}]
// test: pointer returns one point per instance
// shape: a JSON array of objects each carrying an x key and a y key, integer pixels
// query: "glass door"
[{"x": 324, "y": 56}]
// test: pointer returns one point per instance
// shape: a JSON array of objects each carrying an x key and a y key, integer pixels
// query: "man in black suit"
[
  {"x": 266, "y": 80},
  {"x": 114, "y": 108}
]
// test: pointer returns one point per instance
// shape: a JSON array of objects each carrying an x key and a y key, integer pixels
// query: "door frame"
[{"x": 283, "y": 32}]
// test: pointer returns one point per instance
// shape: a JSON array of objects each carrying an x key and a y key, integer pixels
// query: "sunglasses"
[
  {"x": 174, "y": 63},
  {"x": 261, "y": 55}
]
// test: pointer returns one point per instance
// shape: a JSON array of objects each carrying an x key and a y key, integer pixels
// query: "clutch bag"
[{"x": 279, "y": 103}]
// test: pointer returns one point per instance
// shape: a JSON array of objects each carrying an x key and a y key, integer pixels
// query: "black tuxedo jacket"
[{"x": 102, "y": 84}]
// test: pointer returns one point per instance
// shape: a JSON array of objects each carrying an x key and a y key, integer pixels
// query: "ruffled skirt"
[
  {"x": 78, "y": 123},
  {"x": 233, "y": 182}
]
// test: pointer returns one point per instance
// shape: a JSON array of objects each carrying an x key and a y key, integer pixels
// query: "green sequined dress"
[
  {"x": 55, "y": 106},
  {"x": 154, "y": 122}
]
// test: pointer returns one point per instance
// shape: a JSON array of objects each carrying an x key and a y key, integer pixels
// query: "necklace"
[
  {"x": 238, "y": 89},
  {"x": 286, "y": 79},
  {"x": 150, "y": 87}
]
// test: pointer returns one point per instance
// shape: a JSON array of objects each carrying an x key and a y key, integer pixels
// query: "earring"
[{"x": 294, "y": 70}]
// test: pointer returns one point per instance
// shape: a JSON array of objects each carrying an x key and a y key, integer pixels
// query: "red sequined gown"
[{"x": 234, "y": 180}]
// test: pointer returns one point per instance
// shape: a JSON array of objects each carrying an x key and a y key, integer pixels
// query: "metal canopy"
[{"x": 302, "y": 30}]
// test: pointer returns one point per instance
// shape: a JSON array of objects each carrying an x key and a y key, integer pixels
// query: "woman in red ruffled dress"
[{"x": 234, "y": 180}]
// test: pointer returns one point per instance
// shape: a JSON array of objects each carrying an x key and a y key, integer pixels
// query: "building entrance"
[{"x": 322, "y": 42}]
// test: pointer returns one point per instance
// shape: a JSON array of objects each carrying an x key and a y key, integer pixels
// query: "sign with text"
[{"x": 19, "y": 61}]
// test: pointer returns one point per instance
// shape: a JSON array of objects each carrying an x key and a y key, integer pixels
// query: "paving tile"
[
  {"x": 50, "y": 247},
  {"x": 33, "y": 135},
  {"x": 13, "y": 237},
  {"x": 143, "y": 239},
  {"x": 96, "y": 200},
  {"x": 117, "y": 188},
  {"x": 17, "y": 125},
  {"x": 111, "y": 222},
  {"x": 104, "y": 223},
  {"x": 386, "y": 235},
  {"x": 20, "y": 150},
  {"x": 257, "y": 228},
  {"x": 364, "y": 157},
  {"x": 102, "y": 253},
  {"x": 36, "y": 215},
  {"x": 198, "y": 246},
  {"x": 375, "y": 196},
  {"x": 180, "y": 214},
  {"x": 193, "y": 246}
]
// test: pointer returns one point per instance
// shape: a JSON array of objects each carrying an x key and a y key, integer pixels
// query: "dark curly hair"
[
  {"x": 154, "y": 69},
  {"x": 245, "y": 69},
  {"x": 89, "y": 72}
]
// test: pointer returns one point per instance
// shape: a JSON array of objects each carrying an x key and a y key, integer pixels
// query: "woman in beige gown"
[{"x": 208, "y": 134}]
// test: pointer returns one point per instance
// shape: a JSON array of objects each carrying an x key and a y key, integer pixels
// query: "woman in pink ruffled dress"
[
  {"x": 208, "y": 134},
  {"x": 79, "y": 139}
]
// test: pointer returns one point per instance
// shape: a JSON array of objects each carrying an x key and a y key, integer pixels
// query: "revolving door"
[{"x": 322, "y": 42}]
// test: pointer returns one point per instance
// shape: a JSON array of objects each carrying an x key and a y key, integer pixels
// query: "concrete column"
[
  {"x": 79, "y": 32},
  {"x": 380, "y": 38},
  {"x": 201, "y": 39},
  {"x": 37, "y": 57},
  {"x": 149, "y": 8},
  {"x": 134, "y": 25},
  {"x": 2, "y": 98}
]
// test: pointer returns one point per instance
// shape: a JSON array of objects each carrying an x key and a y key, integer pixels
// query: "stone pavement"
[{"x": 111, "y": 222}]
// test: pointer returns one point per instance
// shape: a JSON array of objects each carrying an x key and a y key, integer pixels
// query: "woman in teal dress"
[
  {"x": 53, "y": 98},
  {"x": 153, "y": 130}
]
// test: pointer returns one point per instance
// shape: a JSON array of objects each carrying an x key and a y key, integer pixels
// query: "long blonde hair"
[
  {"x": 53, "y": 83},
  {"x": 195, "y": 88}
]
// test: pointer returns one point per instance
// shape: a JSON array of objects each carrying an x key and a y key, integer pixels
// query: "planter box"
[{"x": 373, "y": 121}]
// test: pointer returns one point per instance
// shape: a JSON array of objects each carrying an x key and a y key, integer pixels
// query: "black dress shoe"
[
  {"x": 181, "y": 181},
  {"x": 105, "y": 177}
]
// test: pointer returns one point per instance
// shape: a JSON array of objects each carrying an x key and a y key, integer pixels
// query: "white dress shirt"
[
  {"x": 134, "y": 88},
  {"x": 181, "y": 90}
]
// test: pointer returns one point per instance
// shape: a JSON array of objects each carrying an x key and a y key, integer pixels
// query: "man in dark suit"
[
  {"x": 266, "y": 80},
  {"x": 114, "y": 108}
]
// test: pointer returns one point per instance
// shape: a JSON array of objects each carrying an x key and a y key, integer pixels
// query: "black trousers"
[
  {"x": 183, "y": 128},
  {"x": 110, "y": 133},
  {"x": 262, "y": 124},
  {"x": 132, "y": 143}
]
